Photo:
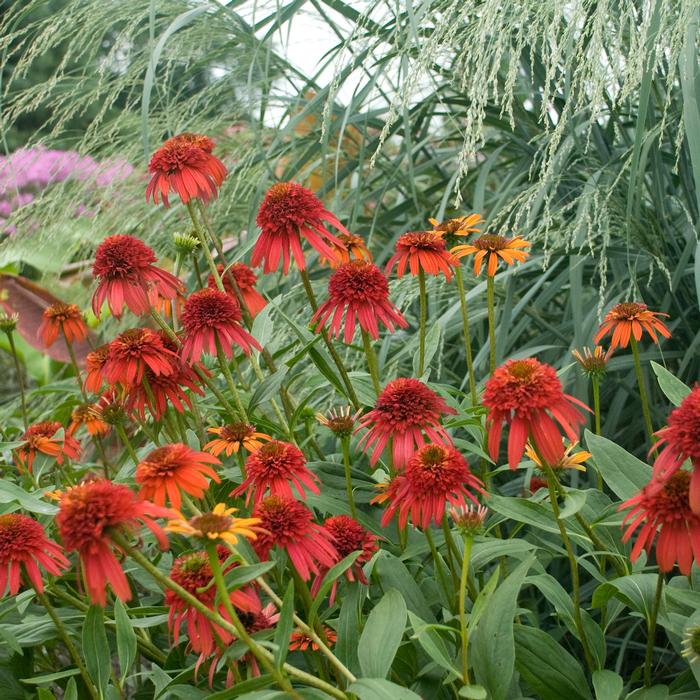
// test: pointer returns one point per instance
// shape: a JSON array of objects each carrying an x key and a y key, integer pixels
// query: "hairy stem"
[
  {"x": 372, "y": 363},
  {"x": 423, "y": 298},
  {"x": 651, "y": 630},
  {"x": 467, "y": 335},
  {"x": 468, "y": 540},
  {"x": 491, "y": 304},
  {"x": 345, "y": 443}
]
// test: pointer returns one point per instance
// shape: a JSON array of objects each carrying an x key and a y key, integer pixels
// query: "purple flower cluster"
[{"x": 28, "y": 171}]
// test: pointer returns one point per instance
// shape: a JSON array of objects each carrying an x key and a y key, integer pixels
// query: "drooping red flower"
[
  {"x": 348, "y": 536},
  {"x": 275, "y": 467},
  {"x": 289, "y": 525},
  {"x": 42, "y": 437},
  {"x": 89, "y": 415},
  {"x": 680, "y": 440},
  {"x": 435, "y": 477},
  {"x": 405, "y": 412},
  {"x": 134, "y": 351},
  {"x": 300, "y": 641},
  {"x": 89, "y": 514},
  {"x": 631, "y": 320},
  {"x": 234, "y": 437},
  {"x": 193, "y": 572},
  {"x": 185, "y": 163},
  {"x": 358, "y": 290},
  {"x": 170, "y": 470},
  {"x": 62, "y": 319},
  {"x": 94, "y": 366},
  {"x": 288, "y": 213},
  {"x": 210, "y": 315},
  {"x": 665, "y": 512},
  {"x": 421, "y": 250},
  {"x": 127, "y": 276},
  {"x": 245, "y": 280},
  {"x": 527, "y": 394},
  {"x": 24, "y": 547}
]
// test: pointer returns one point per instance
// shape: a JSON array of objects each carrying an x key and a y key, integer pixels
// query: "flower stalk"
[
  {"x": 423, "y": 298},
  {"x": 491, "y": 305},
  {"x": 467, "y": 335},
  {"x": 642, "y": 389}
]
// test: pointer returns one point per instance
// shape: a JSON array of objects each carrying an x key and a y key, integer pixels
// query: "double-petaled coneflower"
[
  {"x": 358, "y": 291},
  {"x": 421, "y": 251},
  {"x": 235, "y": 437},
  {"x": 90, "y": 416},
  {"x": 62, "y": 319},
  {"x": 44, "y": 437},
  {"x": 493, "y": 248},
  {"x": 630, "y": 320},
  {"x": 134, "y": 351},
  {"x": 245, "y": 279},
  {"x": 127, "y": 277},
  {"x": 94, "y": 368},
  {"x": 351, "y": 247}
]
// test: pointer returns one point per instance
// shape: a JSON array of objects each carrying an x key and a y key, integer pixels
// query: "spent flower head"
[
  {"x": 339, "y": 420},
  {"x": 593, "y": 364}
]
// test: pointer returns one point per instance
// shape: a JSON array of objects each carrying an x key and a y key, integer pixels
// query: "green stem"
[
  {"x": 642, "y": 389},
  {"x": 223, "y": 364},
  {"x": 438, "y": 564},
  {"x": 467, "y": 335},
  {"x": 205, "y": 247},
  {"x": 345, "y": 443},
  {"x": 595, "y": 384},
  {"x": 423, "y": 298},
  {"x": 491, "y": 304},
  {"x": 468, "y": 540},
  {"x": 372, "y": 363},
  {"x": 126, "y": 442},
  {"x": 20, "y": 378},
  {"x": 651, "y": 630},
  {"x": 75, "y": 655}
]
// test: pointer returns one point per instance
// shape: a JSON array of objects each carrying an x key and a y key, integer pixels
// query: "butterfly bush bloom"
[
  {"x": 185, "y": 164},
  {"x": 492, "y": 249},
  {"x": 358, "y": 291},
  {"x": 62, "y": 319},
  {"x": 288, "y": 214},
  {"x": 421, "y": 250},
  {"x": 631, "y": 320},
  {"x": 127, "y": 277},
  {"x": 88, "y": 515},
  {"x": 42, "y": 437},
  {"x": 24, "y": 547},
  {"x": 527, "y": 395},
  {"x": 406, "y": 411}
]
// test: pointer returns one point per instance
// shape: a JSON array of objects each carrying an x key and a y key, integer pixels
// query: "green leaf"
[
  {"x": 240, "y": 575},
  {"x": 493, "y": 645},
  {"x": 433, "y": 644},
  {"x": 382, "y": 635},
  {"x": 332, "y": 575},
  {"x": 622, "y": 472},
  {"x": 380, "y": 689},
  {"x": 392, "y": 573},
  {"x": 71, "y": 692},
  {"x": 483, "y": 599},
  {"x": 607, "y": 685},
  {"x": 575, "y": 500},
  {"x": 268, "y": 387},
  {"x": 674, "y": 389},
  {"x": 547, "y": 667},
  {"x": 474, "y": 692},
  {"x": 96, "y": 648},
  {"x": 126, "y": 638},
  {"x": 348, "y": 628},
  {"x": 284, "y": 626},
  {"x": 11, "y": 493},
  {"x": 50, "y": 677},
  {"x": 636, "y": 591},
  {"x": 656, "y": 692}
]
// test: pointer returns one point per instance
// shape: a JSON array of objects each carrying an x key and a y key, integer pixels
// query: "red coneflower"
[
  {"x": 193, "y": 572},
  {"x": 62, "y": 319},
  {"x": 245, "y": 280},
  {"x": 351, "y": 247},
  {"x": 185, "y": 164},
  {"x": 94, "y": 367},
  {"x": 288, "y": 213},
  {"x": 435, "y": 476},
  {"x": 405, "y": 411},
  {"x": 134, "y": 351},
  {"x": 24, "y": 547},
  {"x": 289, "y": 525},
  {"x": 42, "y": 437},
  {"x": 421, "y": 250},
  {"x": 210, "y": 315},
  {"x": 358, "y": 290},
  {"x": 493, "y": 248},
  {"x": 89, "y": 514},
  {"x": 234, "y": 437},
  {"x": 665, "y": 512},
  {"x": 631, "y": 319},
  {"x": 171, "y": 469},
  {"x": 275, "y": 467},
  {"x": 680, "y": 438},
  {"x": 300, "y": 641},
  {"x": 527, "y": 394},
  {"x": 127, "y": 276},
  {"x": 89, "y": 415}
]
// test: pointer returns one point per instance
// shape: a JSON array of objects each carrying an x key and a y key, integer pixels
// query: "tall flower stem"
[
  {"x": 491, "y": 305},
  {"x": 205, "y": 246},
  {"x": 20, "y": 378},
  {"x": 595, "y": 385},
  {"x": 651, "y": 630},
  {"x": 345, "y": 443},
  {"x": 642, "y": 389},
  {"x": 74, "y": 653},
  {"x": 223, "y": 364},
  {"x": 437, "y": 563},
  {"x": 575, "y": 580},
  {"x": 468, "y": 540},
  {"x": 372, "y": 363},
  {"x": 467, "y": 335},
  {"x": 126, "y": 442},
  {"x": 331, "y": 348},
  {"x": 423, "y": 298}
]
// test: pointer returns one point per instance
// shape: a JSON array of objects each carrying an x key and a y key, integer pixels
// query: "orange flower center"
[
  {"x": 61, "y": 312},
  {"x": 237, "y": 432},
  {"x": 211, "y": 523},
  {"x": 522, "y": 370},
  {"x": 628, "y": 311},
  {"x": 490, "y": 242},
  {"x": 279, "y": 191},
  {"x": 421, "y": 240}
]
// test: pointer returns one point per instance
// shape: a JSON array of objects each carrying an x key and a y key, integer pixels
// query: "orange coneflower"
[
  {"x": 300, "y": 641},
  {"x": 233, "y": 437},
  {"x": 358, "y": 291},
  {"x": 218, "y": 525},
  {"x": 170, "y": 470},
  {"x": 421, "y": 251},
  {"x": 94, "y": 367},
  {"x": 42, "y": 437},
  {"x": 351, "y": 247},
  {"x": 460, "y": 226},
  {"x": 89, "y": 415},
  {"x": 469, "y": 519},
  {"x": 60, "y": 318},
  {"x": 493, "y": 248},
  {"x": 631, "y": 320},
  {"x": 568, "y": 460},
  {"x": 245, "y": 280}
]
